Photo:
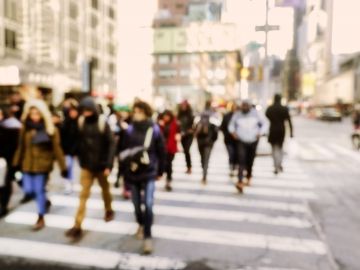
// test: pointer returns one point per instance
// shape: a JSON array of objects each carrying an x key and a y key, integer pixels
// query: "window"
[
  {"x": 111, "y": 49},
  {"x": 94, "y": 21},
  {"x": 112, "y": 68},
  {"x": 111, "y": 31},
  {"x": 95, "y": 63},
  {"x": 94, "y": 42},
  {"x": 74, "y": 34},
  {"x": 73, "y": 57},
  {"x": 184, "y": 58},
  {"x": 167, "y": 73},
  {"x": 94, "y": 4},
  {"x": 10, "y": 9},
  {"x": 185, "y": 73},
  {"x": 10, "y": 39},
  {"x": 165, "y": 59},
  {"x": 216, "y": 57},
  {"x": 73, "y": 11},
  {"x": 111, "y": 13}
]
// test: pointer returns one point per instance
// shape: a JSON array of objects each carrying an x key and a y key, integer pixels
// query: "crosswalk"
[{"x": 266, "y": 228}]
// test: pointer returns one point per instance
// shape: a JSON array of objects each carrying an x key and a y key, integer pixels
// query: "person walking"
[
  {"x": 278, "y": 115},
  {"x": 186, "y": 121},
  {"x": 143, "y": 167},
  {"x": 69, "y": 133},
  {"x": 96, "y": 149},
  {"x": 206, "y": 132},
  {"x": 246, "y": 127},
  {"x": 229, "y": 140},
  {"x": 39, "y": 145},
  {"x": 170, "y": 130},
  {"x": 9, "y": 133}
]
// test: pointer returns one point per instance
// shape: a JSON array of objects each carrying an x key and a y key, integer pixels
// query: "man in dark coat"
[{"x": 278, "y": 115}]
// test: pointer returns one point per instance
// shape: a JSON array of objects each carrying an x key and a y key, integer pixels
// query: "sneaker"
[
  {"x": 204, "y": 181},
  {"x": 168, "y": 187},
  {"x": 74, "y": 233},
  {"x": 48, "y": 205},
  {"x": 109, "y": 216},
  {"x": 40, "y": 224},
  {"x": 27, "y": 198},
  {"x": 240, "y": 187},
  {"x": 188, "y": 171},
  {"x": 148, "y": 246},
  {"x": 3, "y": 212},
  {"x": 139, "y": 235}
]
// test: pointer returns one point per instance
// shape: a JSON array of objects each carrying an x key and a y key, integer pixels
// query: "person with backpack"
[
  {"x": 246, "y": 127},
  {"x": 206, "y": 133},
  {"x": 186, "y": 120},
  {"x": 170, "y": 130},
  {"x": 39, "y": 144},
  {"x": 230, "y": 142},
  {"x": 278, "y": 115},
  {"x": 95, "y": 150},
  {"x": 143, "y": 160}
]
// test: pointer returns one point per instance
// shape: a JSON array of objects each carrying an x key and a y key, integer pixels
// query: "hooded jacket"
[
  {"x": 95, "y": 141},
  {"x": 38, "y": 157}
]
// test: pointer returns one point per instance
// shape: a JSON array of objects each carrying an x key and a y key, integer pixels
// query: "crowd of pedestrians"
[{"x": 139, "y": 143}]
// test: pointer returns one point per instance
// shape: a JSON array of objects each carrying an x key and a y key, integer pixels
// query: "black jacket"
[
  {"x": 186, "y": 122},
  {"x": 277, "y": 115},
  {"x": 69, "y": 133},
  {"x": 135, "y": 136},
  {"x": 224, "y": 128}
]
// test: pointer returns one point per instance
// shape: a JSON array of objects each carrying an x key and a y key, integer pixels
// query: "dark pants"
[
  {"x": 246, "y": 155},
  {"x": 144, "y": 218},
  {"x": 231, "y": 148},
  {"x": 169, "y": 161},
  {"x": 205, "y": 152},
  {"x": 6, "y": 190},
  {"x": 186, "y": 142}
]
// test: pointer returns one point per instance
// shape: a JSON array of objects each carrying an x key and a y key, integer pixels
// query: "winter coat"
[
  {"x": 95, "y": 140},
  {"x": 69, "y": 134},
  {"x": 186, "y": 122},
  {"x": 277, "y": 115},
  {"x": 135, "y": 136},
  {"x": 169, "y": 132}
]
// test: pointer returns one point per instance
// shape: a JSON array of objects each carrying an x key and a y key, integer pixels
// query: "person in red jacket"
[{"x": 170, "y": 131}]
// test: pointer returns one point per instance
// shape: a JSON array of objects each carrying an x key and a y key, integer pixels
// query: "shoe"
[
  {"x": 188, "y": 171},
  {"x": 139, "y": 235},
  {"x": 3, "y": 212},
  {"x": 48, "y": 205},
  {"x": 276, "y": 172},
  {"x": 168, "y": 187},
  {"x": 27, "y": 198},
  {"x": 40, "y": 224},
  {"x": 74, "y": 233},
  {"x": 148, "y": 246},
  {"x": 240, "y": 187},
  {"x": 126, "y": 195},
  {"x": 109, "y": 216},
  {"x": 248, "y": 182},
  {"x": 281, "y": 169},
  {"x": 204, "y": 181},
  {"x": 117, "y": 184}
]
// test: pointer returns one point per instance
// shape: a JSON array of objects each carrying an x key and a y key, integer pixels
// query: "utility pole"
[{"x": 266, "y": 28}]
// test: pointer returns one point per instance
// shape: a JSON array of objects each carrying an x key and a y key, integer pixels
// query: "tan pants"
[{"x": 87, "y": 180}]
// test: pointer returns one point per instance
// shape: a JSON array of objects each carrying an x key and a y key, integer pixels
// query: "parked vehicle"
[{"x": 329, "y": 114}]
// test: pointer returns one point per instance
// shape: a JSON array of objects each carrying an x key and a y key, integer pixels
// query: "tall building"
[{"x": 48, "y": 42}]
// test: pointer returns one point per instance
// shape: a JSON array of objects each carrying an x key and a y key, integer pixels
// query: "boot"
[
  {"x": 40, "y": 223},
  {"x": 74, "y": 233},
  {"x": 148, "y": 246},
  {"x": 139, "y": 235},
  {"x": 109, "y": 216}
]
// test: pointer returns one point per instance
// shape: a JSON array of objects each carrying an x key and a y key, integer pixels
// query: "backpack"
[
  {"x": 101, "y": 123},
  {"x": 137, "y": 159}
]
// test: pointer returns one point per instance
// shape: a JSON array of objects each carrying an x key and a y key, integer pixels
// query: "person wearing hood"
[
  {"x": 278, "y": 115},
  {"x": 69, "y": 132},
  {"x": 39, "y": 145},
  {"x": 95, "y": 150},
  {"x": 246, "y": 127},
  {"x": 9, "y": 133},
  {"x": 142, "y": 172}
]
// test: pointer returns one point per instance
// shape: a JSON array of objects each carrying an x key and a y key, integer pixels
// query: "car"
[{"x": 330, "y": 114}]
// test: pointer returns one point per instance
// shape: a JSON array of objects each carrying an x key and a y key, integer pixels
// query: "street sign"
[{"x": 267, "y": 28}]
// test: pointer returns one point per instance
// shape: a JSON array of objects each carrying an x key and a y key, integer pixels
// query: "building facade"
[{"x": 47, "y": 42}]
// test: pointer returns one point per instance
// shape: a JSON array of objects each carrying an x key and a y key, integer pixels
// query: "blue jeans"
[
  {"x": 144, "y": 218},
  {"x": 70, "y": 167},
  {"x": 34, "y": 183}
]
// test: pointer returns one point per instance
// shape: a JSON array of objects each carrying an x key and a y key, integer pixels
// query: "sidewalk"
[{"x": 267, "y": 228}]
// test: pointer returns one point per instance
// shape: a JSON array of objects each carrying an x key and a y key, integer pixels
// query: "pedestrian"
[
  {"x": 206, "y": 133},
  {"x": 143, "y": 167},
  {"x": 230, "y": 142},
  {"x": 246, "y": 127},
  {"x": 96, "y": 149},
  {"x": 39, "y": 145},
  {"x": 123, "y": 116},
  {"x": 69, "y": 133},
  {"x": 170, "y": 130},
  {"x": 9, "y": 132},
  {"x": 278, "y": 115},
  {"x": 186, "y": 120}
]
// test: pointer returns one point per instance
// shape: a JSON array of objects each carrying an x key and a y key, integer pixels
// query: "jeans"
[
  {"x": 246, "y": 155},
  {"x": 144, "y": 218},
  {"x": 205, "y": 152},
  {"x": 169, "y": 161},
  {"x": 70, "y": 167},
  {"x": 34, "y": 183},
  {"x": 231, "y": 149},
  {"x": 186, "y": 142},
  {"x": 277, "y": 153},
  {"x": 87, "y": 180}
]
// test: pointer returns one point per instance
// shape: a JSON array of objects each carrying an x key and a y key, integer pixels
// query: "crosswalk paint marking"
[
  {"x": 84, "y": 256},
  {"x": 191, "y": 212},
  {"x": 204, "y": 236}
]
